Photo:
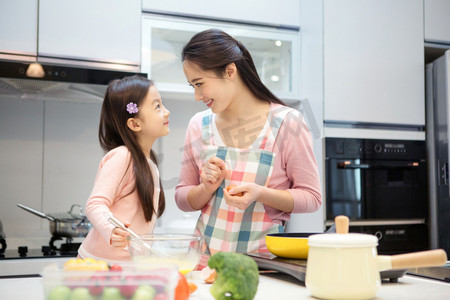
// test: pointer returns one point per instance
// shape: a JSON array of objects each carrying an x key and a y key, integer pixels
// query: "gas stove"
[
  {"x": 65, "y": 249},
  {"x": 25, "y": 262}
]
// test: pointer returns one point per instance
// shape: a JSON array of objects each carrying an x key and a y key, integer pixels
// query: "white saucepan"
[{"x": 345, "y": 265}]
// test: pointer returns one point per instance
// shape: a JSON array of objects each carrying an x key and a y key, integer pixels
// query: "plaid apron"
[{"x": 228, "y": 228}]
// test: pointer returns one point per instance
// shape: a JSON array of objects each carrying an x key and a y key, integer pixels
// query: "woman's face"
[{"x": 216, "y": 92}]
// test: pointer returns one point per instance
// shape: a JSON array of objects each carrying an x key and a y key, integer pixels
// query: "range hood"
[{"x": 55, "y": 82}]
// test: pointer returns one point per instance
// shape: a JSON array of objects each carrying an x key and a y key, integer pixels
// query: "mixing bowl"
[
  {"x": 288, "y": 245},
  {"x": 181, "y": 249}
]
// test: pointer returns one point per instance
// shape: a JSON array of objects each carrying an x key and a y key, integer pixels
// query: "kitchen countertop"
[{"x": 271, "y": 286}]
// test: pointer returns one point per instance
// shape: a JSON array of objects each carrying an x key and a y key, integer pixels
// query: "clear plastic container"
[{"x": 133, "y": 281}]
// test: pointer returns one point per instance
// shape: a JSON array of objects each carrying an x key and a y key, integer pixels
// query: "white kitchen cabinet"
[
  {"x": 285, "y": 13},
  {"x": 374, "y": 62},
  {"x": 276, "y": 53},
  {"x": 437, "y": 21},
  {"x": 101, "y": 30},
  {"x": 18, "y": 23}
]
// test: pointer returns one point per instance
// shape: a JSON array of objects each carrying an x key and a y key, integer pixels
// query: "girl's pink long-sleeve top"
[
  {"x": 111, "y": 194},
  {"x": 295, "y": 167}
]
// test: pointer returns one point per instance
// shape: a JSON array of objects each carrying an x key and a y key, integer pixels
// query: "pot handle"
[
  {"x": 341, "y": 224},
  {"x": 36, "y": 212},
  {"x": 430, "y": 258},
  {"x": 80, "y": 212}
]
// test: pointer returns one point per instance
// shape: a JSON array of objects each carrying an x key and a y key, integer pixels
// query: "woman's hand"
[
  {"x": 119, "y": 237},
  {"x": 212, "y": 174},
  {"x": 250, "y": 193}
]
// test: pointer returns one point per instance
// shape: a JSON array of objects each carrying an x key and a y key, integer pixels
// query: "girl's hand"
[
  {"x": 251, "y": 192},
  {"x": 119, "y": 237},
  {"x": 212, "y": 174}
]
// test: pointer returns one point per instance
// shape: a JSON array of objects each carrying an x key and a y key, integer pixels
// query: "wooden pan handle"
[
  {"x": 341, "y": 224},
  {"x": 429, "y": 258}
]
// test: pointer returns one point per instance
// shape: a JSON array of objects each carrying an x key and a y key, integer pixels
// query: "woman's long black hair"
[
  {"x": 213, "y": 50},
  {"x": 114, "y": 132}
]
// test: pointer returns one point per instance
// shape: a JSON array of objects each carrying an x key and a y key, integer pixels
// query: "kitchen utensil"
[
  {"x": 291, "y": 245},
  {"x": 346, "y": 265},
  {"x": 70, "y": 224},
  {"x": 182, "y": 249},
  {"x": 133, "y": 235},
  {"x": 288, "y": 245}
]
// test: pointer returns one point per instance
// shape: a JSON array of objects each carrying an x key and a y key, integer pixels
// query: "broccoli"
[{"x": 237, "y": 276}]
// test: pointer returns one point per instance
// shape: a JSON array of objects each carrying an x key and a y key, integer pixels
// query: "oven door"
[{"x": 376, "y": 189}]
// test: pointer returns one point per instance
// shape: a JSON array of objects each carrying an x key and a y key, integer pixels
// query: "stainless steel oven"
[{"x": 381, "y": 185}]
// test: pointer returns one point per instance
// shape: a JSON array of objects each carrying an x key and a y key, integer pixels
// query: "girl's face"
[
  {"x": 216, "y": 92},
  {"x": 153, "y": 117}
]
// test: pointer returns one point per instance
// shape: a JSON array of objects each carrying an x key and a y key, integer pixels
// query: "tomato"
[
  {"x": 96, "y": 283},
  {"x": 116, "y": 268},
  {"x": 232, "y": 186},
  {"x": 128, "y": 287},
  {"x": 182, "y": 289}
]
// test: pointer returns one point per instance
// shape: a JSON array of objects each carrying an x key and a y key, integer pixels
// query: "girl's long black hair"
[
  {"x": 114, "y": 132},
  {"x": 213, "y": 50}
]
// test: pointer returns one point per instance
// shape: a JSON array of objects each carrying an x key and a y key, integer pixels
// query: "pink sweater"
[
  {"x": 295, "y": 167},
  {"x": 110, "y": 194}
]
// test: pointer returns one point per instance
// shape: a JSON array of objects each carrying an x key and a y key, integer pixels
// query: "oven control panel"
[{"x": 374, "y": 149}]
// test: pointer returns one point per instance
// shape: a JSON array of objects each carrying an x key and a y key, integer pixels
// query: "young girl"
[
  {"x": 247, "y": 137},
  {"x": 127, "y": 184}
]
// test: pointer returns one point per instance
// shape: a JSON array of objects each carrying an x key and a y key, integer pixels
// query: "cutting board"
[{"x": 293, "y": 267}]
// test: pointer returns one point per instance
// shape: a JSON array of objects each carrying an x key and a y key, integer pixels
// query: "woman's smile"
[{"x": 209, "y": 102}]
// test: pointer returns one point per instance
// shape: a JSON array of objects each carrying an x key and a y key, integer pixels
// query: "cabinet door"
[
  {"x": 374, "y": 61},
  {"x": 101, "y": 30},
  {"x": 260, "y": 12},
  {"x": 18, "y": 21},
  {"x": 275, "y": 53},
  {"x": 437, "y": 21}
]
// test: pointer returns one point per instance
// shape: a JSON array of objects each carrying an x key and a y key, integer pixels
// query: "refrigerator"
[{"x": 438, "y": 131}]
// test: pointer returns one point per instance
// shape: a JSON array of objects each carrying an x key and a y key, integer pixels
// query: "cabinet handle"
[{"x": 349, "y": 165}]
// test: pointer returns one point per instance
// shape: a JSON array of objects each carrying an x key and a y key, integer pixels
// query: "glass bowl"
[{"x": 183, "y": 250}]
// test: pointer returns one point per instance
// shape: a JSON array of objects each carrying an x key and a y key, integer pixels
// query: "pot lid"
[
  {"x": 66, "y": 217},
  {"x": 348, "y": 240}
]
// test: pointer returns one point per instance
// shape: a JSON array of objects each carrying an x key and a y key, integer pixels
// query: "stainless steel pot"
[{"x": 70, "y": 224}]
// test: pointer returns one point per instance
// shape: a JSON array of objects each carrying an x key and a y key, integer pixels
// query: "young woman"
[
  {"x": 247, "y": 137},
  {"x": 127, "y": 184}
]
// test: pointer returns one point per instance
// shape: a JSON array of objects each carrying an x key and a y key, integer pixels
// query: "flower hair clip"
[{"x": 132, "y": 108}]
